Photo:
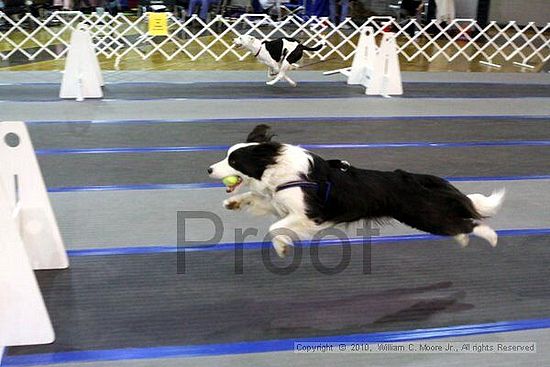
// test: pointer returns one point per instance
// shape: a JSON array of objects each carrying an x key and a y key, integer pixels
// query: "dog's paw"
[
  {"x": 238, "y": 203},
  {"x": 232, "y": 204},
  {"x": 281, "y": 246},
  {"x": 463, "y": 239},
  {"x": 281, "y": 249},
  {"x": 293, "y": 84},
  {"x": 271, "y": 82},
  {"x": 487, "y": 233}
]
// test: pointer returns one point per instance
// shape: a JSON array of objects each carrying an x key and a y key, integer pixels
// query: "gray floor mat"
[
  {"x": 101, "y": 110},
  {"x": 109, "y": 302},
  {"x": 99, "y": 219},
  {"x": 190, "y": 167},
  {"x": 293, "y": 131}
]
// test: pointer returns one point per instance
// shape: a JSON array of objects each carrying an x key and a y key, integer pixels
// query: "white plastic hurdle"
[
  {"x": 386, "y": 79},
  {"x": 362, "y": 66},
  {"x": 82, "y": 76},
  {"x": 363, "y": 62},
  {"x": 376, "y": 68},
  {"x": 29, "y": 239}
]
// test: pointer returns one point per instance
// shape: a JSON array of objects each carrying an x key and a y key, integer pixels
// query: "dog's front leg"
[
  {"x": 238, "y": 202},
  {"x": 287, "y": 230}
]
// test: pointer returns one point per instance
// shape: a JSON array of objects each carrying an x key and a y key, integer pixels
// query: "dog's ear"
[{"x": 261, "y": 134}]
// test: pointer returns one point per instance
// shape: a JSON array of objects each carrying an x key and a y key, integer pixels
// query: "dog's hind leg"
[
  {"x": 487, "y": 233},
  {"x": 463, "y": 239},
  {"x": 290, "y": 81},
  {"x": 286, "y": 66},
  {"x": 481, "y": 231}
]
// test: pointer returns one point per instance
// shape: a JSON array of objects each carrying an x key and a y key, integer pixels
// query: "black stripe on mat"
[{"x": 252, "y": 90}]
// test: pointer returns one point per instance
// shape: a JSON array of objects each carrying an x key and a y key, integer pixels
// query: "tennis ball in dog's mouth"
[{"x": 230, "y": 180}]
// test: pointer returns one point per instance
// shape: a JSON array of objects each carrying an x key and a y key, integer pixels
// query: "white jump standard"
[
  {"x": 376, "y": 68},
  {"x": 29, "y": 240},
  {"x": 82, "y": 76}
]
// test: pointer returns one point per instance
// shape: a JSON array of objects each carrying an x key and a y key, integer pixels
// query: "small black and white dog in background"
[
  {"x": 309, "y": 194},
  {"x": 279, "y": 55}
]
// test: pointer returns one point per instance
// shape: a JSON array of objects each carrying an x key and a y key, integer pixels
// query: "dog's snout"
[{"x": 210, "y": 170}]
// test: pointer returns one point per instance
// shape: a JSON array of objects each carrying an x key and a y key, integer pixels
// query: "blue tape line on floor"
[
  {"x": 135, "y": 250},
  {"x": 210, "y": 185},
  {"x": 186, "y": 351},
  {"x": 211, "y": 148}
]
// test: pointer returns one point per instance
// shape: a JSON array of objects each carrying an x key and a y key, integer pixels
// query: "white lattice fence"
[{"x": 120, "y": 35}]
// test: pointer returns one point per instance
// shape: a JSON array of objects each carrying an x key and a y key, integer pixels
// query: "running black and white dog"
[
  {"x": 309, "y": 194},
  {"x": 279, "y": 55}
]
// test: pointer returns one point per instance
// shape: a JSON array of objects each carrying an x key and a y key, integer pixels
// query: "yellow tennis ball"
[{"x": 230, "y": 180}]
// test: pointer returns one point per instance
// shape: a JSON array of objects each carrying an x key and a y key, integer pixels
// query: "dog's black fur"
[
  {"x": 275, "y": 49},
  {"x": 261, "y": 134},
  {"x": 253, "y": 160},
  {"x": 425, "y": 202}
]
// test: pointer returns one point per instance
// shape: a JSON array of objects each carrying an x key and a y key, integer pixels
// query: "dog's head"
[
  {"x": 248, "y": 160},
  {"x": 243, "y": 41}
]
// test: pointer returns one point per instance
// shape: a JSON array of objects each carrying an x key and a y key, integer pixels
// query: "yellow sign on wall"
[{"x": 158, "y": 24}]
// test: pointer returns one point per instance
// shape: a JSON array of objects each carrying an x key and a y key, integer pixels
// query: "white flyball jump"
[
  {"x": 82, "y": 76},
  {"x": 375, "y": 67},
  {"x": 29, "y": 240},
  {"x": 386, "y": 79},
  {"x": 364, "y": 60}
]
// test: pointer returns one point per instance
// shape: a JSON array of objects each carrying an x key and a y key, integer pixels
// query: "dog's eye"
[{"x": 232, "y": 161}]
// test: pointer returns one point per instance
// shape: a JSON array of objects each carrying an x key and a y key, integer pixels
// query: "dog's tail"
[
  {"x": 316, "y": 48},
  {"x": 488, "y": 206}
]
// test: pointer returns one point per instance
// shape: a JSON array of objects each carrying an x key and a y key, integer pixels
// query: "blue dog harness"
[
  {"x": 323, "y": 189},
  {"x": 327, "y": 186}
]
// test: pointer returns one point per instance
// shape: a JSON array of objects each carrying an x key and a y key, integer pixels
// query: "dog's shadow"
[{"x": 395, "y": 306}]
